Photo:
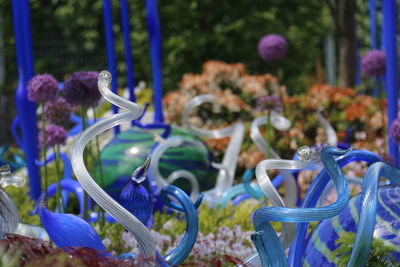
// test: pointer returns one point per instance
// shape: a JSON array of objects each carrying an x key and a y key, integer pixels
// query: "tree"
[{"x": 343, "y": 13}]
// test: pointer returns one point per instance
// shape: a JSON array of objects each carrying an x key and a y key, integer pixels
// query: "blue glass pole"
[
  {"x": 372, "y": 34},
  {"x": 127, "y": 49},
  {"x": 154, "y": 30},
  {"x": 382, "y": 79},
  {"x": 390, "y": 39},
  {"x": 111, "y": 58},
  {"x": 26, "y": 109}
]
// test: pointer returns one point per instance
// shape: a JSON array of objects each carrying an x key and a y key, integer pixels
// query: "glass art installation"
[{"x": 238, "y": 141}]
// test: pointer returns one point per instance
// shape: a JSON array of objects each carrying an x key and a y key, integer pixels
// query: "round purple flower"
[
  {"x": 57, "y": 111},
  {"x": 42, "y": 87},
  {"x": 55, "y": 135},
  {"x": 269, "y": 103},
  {"x": 373, "y": 63},
  {"x": 395, "y": 130},
  {"x": 272, "y": 46},
  {"x": 81, "y": 88}
]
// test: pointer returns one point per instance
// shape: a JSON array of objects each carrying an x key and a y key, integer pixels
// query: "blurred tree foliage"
[{"x": 68, "y": 36}]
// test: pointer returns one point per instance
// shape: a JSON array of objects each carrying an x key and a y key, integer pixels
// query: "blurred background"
[{"x": 68, "y": 36}]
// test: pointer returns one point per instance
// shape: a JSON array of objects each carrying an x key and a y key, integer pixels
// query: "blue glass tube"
[
  {"x": 26, "y": 109},
  {"x": 111, "y": 58},
  {"x": 130, "y": 76},
  {"x": 183, "y": 249},
  {"x": 274, "y": 253},
  {"x": 369, "y": 202},
  {"x": 154, "y": 30},
  {"x": 313, "y": 194},
  {"x": 390, "y": 41}
]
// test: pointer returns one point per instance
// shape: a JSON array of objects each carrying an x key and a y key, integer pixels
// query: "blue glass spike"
[
  {"x": 139, "y": 175},
  {"x": 68, "y": 230},
  {"x": 137, "y": 200}
]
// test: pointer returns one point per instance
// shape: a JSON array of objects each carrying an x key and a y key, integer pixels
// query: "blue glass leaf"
[
  {"x": 68, "y": 230},
  {"x": 135, "y": 197}
]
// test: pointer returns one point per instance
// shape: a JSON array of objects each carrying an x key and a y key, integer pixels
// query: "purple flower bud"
[
  {"x": 81, "y": 88},
  {"x": 55, "y": 135},
  {"x": 57, "y": 111},
  {"x": 269, "y": 102},
  {"x": 272, "y": 46},
  {"x": 42, "y": 88},
  {"x": 373, "y": 63},
  {"x": 395, "y": 130}
]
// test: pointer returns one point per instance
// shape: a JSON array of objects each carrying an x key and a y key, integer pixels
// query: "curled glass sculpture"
[
  {"x": 229, "y": 162},
  {"x": 331, "y": 135},
  {"x": 304, "y": 153},
  {"x": 122, "y": 215},
  {"x": 255, "y": 134},
  {"x": 183, "y": 249},
  {"x": 313, "y": 194},
  {"x": 259, "y": 140},
  {"x": 128, "y": 220},
  {"x": 9, "y": 213},
  {"x": 270, "y": 249},
  {"x": 164, "y": 144},
  {"x": 8, "y": 210}
]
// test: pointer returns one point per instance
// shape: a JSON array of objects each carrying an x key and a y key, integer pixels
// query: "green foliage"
[
  {"x": 210, "y": 219},
  {"x": 22, "y": 200},
  {"x": 378, "y": 257},
  {"x": 173, "y": 225}
]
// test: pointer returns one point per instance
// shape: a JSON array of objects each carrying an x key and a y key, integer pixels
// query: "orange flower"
[{"x": 356, "y": 111}]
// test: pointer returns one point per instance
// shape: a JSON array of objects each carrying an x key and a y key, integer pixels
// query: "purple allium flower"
[
  {"x": 57, "y": 111},
  {"x": 272, "y": 46},
  {"x": 42, "y": 87},
  {"x": 81, "y": 88},
  {"x": 373, "y": 63},
  {"x": 55, "y": 135},
  {"x": 269, "y": 102},
  {"x": 395, "y": 130}
]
